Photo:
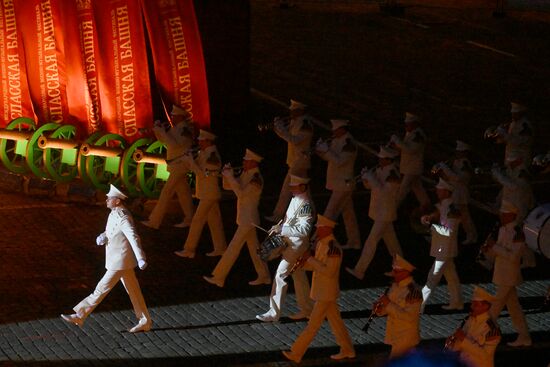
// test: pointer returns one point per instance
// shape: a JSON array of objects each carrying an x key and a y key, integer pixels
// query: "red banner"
[
  {"x": 122, "y": 68},
  {"x": 177, "y": 56},
  {"x": 39, "y": 22}
]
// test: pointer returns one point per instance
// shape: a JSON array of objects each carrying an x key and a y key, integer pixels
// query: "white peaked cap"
[
  {"x": 206, "y": 135},
  {"x": 115, "y": 193},
  {"x": 297, "y": 180},
  {"x": 336, "y": 124},
  {"x": 442, "y": 184},
  {"x": 513, "y": 155},
  {"x": 400, "y": 263},
  {"x": 178, "y": 111},
  {"x": 323, "y": 221},
  {"x": 387, "y": 152},
  {"x": 462, "y": 146},
  {"x": 295, "y": 105},
  {"x": 251, "y": 156},
  {"x": 508, "y": 207},
  {"x": 410, "y": 117},
  {"x": 517, "y": 107},
  {"x": 481, "y": 294}
]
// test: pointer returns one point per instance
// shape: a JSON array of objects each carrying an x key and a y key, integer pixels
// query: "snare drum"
[
  {"x": 272, "y": 247},
  {"x": 537, "y": 230}
]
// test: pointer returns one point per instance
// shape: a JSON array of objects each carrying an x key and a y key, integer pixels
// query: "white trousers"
[
  {"x": 380, "y": 230},
  {"x": 446, "y": 268},
  {"x": 508, "y": 296},
  {"x": 207, "y": 211},
  {"x": 414, "y": 183},
  {"x": 176, "y": 184},
  {"x": 280, "y": 286},
  {"x": 341, "y": 202},
  {"x": 243, "y": 234},
  {"x": 467, "y": 222},
  {"x": 324, "y": 310},
  {"x": 109, "y": 280}
]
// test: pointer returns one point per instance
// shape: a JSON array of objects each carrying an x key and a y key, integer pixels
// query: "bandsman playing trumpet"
[
  {"x": 402, "y": 306},
  {"x": 298, "y": 134},
  {"x": 340, "y": 154},
  {"x": 477, "y": 339},
  {"x": 519, "y": 134},
  {"x": 209, "y": 194},
  {"x": 248, "y": 188},
  {"x": 383, "y": 181},
  {"x": 325, "y": 290}
]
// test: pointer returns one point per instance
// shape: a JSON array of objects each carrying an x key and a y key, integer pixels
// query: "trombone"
[{"x": 271, "y": 125}]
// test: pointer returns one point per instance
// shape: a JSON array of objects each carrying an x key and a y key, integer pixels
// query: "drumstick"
[{"x": 257, "y": 226}]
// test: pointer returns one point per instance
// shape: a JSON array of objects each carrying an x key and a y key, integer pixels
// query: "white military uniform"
[
  {"x": 325, "y": 290},
  {"x": 178, "y": 141},
  {"x": 411, "y": 165},
  {"x": 444, "y": 249},
  {"x": 248, "y": 188},
  {"x": 516, "y": 189},
  {"x": 507, "y": 276},
  {"x": 384, "y": 185},
  {"x": 341, "y": 157},
  {"x": 402, "y": 326},
  {"x": 518, "y": 138},
  {"x": 206, "y": 168},
  {"x": 482, "y": 337},
  {"x": 296, "y": 228},
  {"x": 298, "y": 136},
  {"x": 122, "y": 253}
]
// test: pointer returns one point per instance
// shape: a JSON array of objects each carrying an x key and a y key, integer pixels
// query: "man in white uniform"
[
  {"x": 298, "y": 135},
  {"x": 296, "y": 229},
  {"x": 325, "y": 290},
  {"x": 518, "y": 135},
  {"x": 206, "y": 168},
  {"x": 248, "y": 188},
  {"x": 340, "y": 154},
  {"x": 384, "y": 184},
  {"x": 123, "y": 253},
  {"x": 178, "y": 140}
]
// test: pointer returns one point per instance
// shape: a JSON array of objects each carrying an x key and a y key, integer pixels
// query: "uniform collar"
[
  {"x": 405, "y": 282},
  {"x": 481, "y": 318}
]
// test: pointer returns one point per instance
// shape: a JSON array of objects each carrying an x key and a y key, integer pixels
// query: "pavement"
[{"x": 345, "y": 59}]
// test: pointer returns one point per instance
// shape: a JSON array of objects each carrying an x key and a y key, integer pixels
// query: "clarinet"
[
  {"x": 375, "y": 308},
  {"x": 452, "y": 339},
  {"x": 480, "y": 258}
]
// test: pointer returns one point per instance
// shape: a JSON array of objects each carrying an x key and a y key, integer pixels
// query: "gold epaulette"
[
  {"x": 333, "y": 249},
  {"x": 349, "y": 146},
  {"x": 214, "y": 158},
  {"x": 257, "y": 179},
  {"x": 526, "y": 129},
  {"x": 415, "y": 294},
  {"x": 494, "y": 330},
  {"x": 394, "y": 176},
  {"x": 453, "y": 212},
  {"x": 305, "y": 210}
]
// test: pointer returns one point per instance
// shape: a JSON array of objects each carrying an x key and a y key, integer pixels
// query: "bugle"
[
  {"x": 493, "y": 132},
  {"x": 481, "y": 259},
  {"x": 377, "y": 305},
  {"x": 271, "y": 125},
  {"x": 486, "y": 170},
  {"x": 216, "y": 172}
]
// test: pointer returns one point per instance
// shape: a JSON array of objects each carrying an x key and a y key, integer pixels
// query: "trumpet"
[
  {"x": 486, "y": 170},
  {"x": 452, "y": 339},
  {"x": 375, "y": 308},
  {"x": 216, "y": 172},
  {"x": 481, "y": 259},
  {"x": 492, "y": 132},
  {"x": 271, "y": 125},
  {"x": 438, "y": 167}
]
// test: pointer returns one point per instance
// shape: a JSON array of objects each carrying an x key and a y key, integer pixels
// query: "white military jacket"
[
  {"x": 298, "y": 135},
  {"x": 459, "y": 175},
  {"x": 206, "y": 167},
  {"x": 507, "y": 271},
  {"x": 516, "y": 188},
  {"x": 297, "y": 226},
  {"x": 341, "y": 160},
  {"x": 479, "y": 345},
  {"x": 178, "y": 140},
  {"x": 384, "y": 185},
  {"x": 123, "y": 248},
  {"x": 248, "y": 189},
  {"x": 444, "y": 234},
  {"x": 403, "y": 324},
  {"x": 325, "y": 283},
  {"x": 519, "y": 138},
  {"x": 412, "y": 152}
]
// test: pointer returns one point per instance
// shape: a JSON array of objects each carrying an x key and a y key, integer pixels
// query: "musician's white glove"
[
  {"x": 101, "y": 239},
  {"x": 276, "y": 229},
  {"x": 321, "y": 146},
  {"x": 227, "y": 170},
  {"x": 142, "y": 264}
]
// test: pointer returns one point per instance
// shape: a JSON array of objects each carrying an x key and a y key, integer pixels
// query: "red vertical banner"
[
  {"x": 39, "y": 22},
  {"x": 177, "y": 56},
  {"x": 122, "y": 68},
  {"x": 14, "y": 94}
]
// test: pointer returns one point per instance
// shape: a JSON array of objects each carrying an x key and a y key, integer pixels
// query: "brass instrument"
[
  {"x": 486, "y": 170},
  {"x": 492, "y": 132},
  {"x": 481, "y": 259},
  {"x": 541, "y": 163},
  {"x": 300, "y": 262},
  {"x": 438, "y": 167},
  {"x": 452, "y": 339},
  {"x": 375, "y": 308},
  {"x": 216, "y": 172},
  {"x": 271, "y": 125}
]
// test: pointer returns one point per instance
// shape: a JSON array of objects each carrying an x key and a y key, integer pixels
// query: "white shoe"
[
  {"x": 143, "y": 325},
  {"x": 73, "y": 319},
  {"x": 260, "y": 281},
  {"x": 185, "y": 253},
  {"x": 214, "y": 281},
  {"x": 215, "y": 253},
  {"x": 291, "y": 356},
  {"x": 355, "y": 273},
  {"x": 183, "y": 224},
  {"x": 148, "y": 223},
  {"x": 267, "y": 317},
  {"x": 521, "y": 342}
]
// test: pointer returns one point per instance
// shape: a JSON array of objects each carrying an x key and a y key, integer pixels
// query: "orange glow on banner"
[
  {"x": 122, "y": 68},
  {"x": 15, "y": 100},
  {"x": 43, "y": 47},
  {"x": 177, "y": 56}
]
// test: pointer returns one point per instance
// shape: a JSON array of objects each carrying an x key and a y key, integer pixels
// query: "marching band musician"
[
  {"x": 444, "y": 222},
  {"x": 384, "y": 185},
  {"x": 477, "y": 339},
  {"x": 507, "y": 250},
  {"x": 296, "y": 228},
  {"x": 519, "y": 135},
  {"x": 459, "y": 175},
  {"x": 205, "y": 167},
  {"x": 298, "y": 134},
  {"x": 340, "y": 155},
  {"x": 402, "y": 306},
  {"x": 248, "y": 188},
  {"x": 412, "y": 160},
  {"x": 325, "y": 291},
  {"x": 178, "y": 140}
]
